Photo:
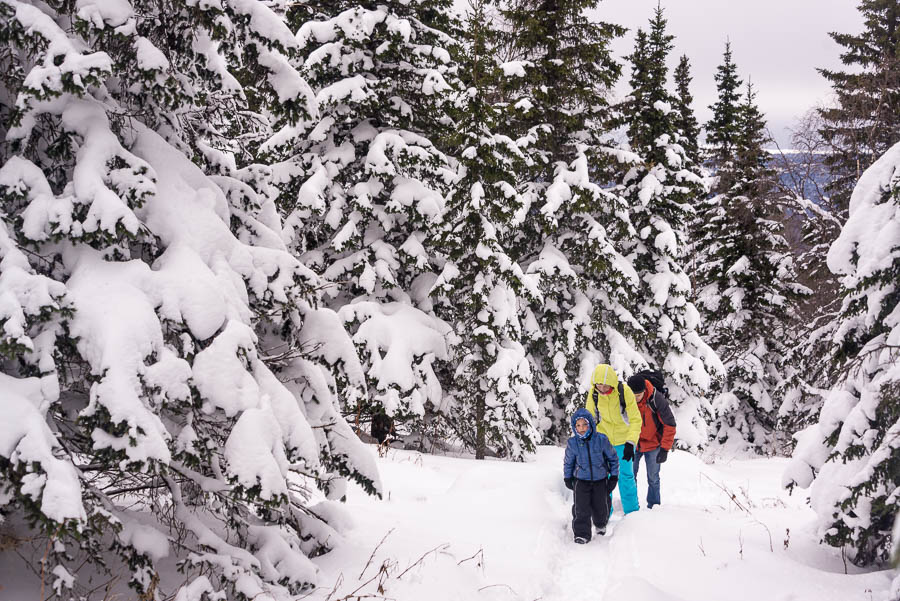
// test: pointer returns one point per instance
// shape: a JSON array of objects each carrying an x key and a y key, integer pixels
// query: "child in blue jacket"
[{"x": 591, "y": 471}]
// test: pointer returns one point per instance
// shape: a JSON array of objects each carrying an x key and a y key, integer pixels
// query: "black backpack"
[
  {"x": 662, "y": 413},
  {"x": 656, "y": 378}
]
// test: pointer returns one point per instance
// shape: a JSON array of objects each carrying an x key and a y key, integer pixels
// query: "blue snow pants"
[{"x": 627, "y": 486}]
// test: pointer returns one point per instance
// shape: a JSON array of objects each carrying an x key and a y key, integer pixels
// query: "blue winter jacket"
[{"x": 591, "y": 457}]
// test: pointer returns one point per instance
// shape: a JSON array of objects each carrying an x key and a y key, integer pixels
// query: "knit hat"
[{"x": 637, "y": 384}]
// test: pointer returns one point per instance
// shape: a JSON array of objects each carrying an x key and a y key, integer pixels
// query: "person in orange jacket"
[{"x": 657, "y": 433}]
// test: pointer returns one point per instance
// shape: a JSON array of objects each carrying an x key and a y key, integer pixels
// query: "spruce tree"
[
  {"x": 860, "y": 125},
  {"x": 493, "y": 407},
  {"x": 569, "y": 222},
  {"x": 661, "y": 191},
  {"x": 747, "y": 287},
  {"x": 850, "y": 459},
  {"x": 722, "y": 130},
  {"x": 150, "y": 309},
  {"x": 865, "y": 120},
  {"x": 364, "y": 185},
  {"x": 571, "y": 67},
  {"x": 633, "y": 105},
  {"x": 686, "y": 122}
]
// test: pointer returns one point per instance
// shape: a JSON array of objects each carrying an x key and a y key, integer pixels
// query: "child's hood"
[{"x": 583, "y": 413}]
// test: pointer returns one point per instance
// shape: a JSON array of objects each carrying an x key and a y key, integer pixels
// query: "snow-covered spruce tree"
[
  {"x": 148, "y": 305},
  {"x": 661, "y": 192},
  {"x": 850, "y": 459},
  {"x": 363, "y": 185},
  {"x": 586, "y": 284},
  {"x": 747, "y": 287},
  {"x": 492, "y": 405},
  {"x": 571, "y": 223},
  {"x": 865, "y": 119},
  {"x": 858, "y": 127},
  {"x": 686, "y": 122},
  {"x": 571, "y": 68}
]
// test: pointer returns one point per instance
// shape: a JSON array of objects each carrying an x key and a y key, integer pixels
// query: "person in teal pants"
[
  {"x": 627, "y": 483},
  {"x": 613, "y": 406}
]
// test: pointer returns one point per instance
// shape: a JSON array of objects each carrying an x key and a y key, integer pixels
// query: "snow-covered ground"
[{"x": 453, "y": 529}]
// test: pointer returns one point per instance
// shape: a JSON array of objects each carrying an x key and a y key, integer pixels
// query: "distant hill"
[{"x": 801, "y": 172}]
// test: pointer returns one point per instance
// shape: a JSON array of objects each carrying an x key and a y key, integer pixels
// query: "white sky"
[{"x": 777, "y": 43}]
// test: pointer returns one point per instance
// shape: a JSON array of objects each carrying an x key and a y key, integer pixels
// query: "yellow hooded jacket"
[{"x": 618, "y": 428}]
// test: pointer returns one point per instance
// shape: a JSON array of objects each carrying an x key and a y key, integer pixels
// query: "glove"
[
  {"x": 570, "y": 483},
  {"x": 628, "y": 453},
  {"x": 662, "y": 455},
  {"x": 612, "y": 481}
]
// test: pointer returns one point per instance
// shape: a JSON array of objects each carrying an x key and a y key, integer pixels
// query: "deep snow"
[
  {"x": 500, "y": 531},
  {"x": 456, "y": 529}
]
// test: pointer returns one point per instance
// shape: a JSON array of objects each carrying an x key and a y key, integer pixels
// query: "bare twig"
[
  {"x": 337, "y": 583},
  {"x": 382, "y": 571},
  {"x": 440, "y": 547},
  {"x": 369, "y": 561},
  {"x": 109, "y": 586},
  {"x": 496, "y": 585},
  {"x": 44, "y": 564},
  {"x": 733, "y": 497},
  {"x": 480, "y": 552},
  {"x": 728, "y": 492}
]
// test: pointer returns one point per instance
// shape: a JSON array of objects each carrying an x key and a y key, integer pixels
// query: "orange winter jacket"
[{"x": 656, "y": 430}]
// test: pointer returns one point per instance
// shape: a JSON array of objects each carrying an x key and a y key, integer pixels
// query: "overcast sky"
[{"x": 777, "y": 43}]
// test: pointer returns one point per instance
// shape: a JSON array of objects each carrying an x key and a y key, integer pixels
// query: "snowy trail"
[
  {"x": 576, "y": 567},
  {"x": 498, "y": 531}
]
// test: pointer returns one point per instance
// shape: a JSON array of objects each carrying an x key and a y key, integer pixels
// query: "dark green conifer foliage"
[
  {"x": 686, "y": 121},
  {"x": 722, "y": 129},
  {"x": 852, "y": 455},
  {"x": 572, "y": 68},
  {"x": 566, "y": 228},
  {"x": 493, "y": 407},
  {"x": 364, "y": 182},
  {"x": 747, "y": 285},
  {"x": 661, "y": 191},
  {"x": 145, "y": 287},
  {"x": 865, "y": 121}
]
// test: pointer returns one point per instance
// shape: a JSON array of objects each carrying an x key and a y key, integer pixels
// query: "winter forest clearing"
[
  {"x": 451, "y": 529},
  {"x": 514, "y": 522},
  {"x": 242, "y": 240}
]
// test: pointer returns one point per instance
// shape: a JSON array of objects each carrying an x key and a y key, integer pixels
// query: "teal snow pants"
[{"x": 627, "y": 485}]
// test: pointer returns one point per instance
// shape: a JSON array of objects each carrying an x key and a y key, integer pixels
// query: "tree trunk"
[{"x": 479, "y": 428}]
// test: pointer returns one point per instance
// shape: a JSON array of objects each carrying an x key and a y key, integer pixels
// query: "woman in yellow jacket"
[{"x": 622, "y": 429}]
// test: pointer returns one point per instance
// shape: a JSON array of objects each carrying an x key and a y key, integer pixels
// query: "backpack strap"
[
  {"x": 654, "y": 412},
  {"x": 596, "y": 396}
]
